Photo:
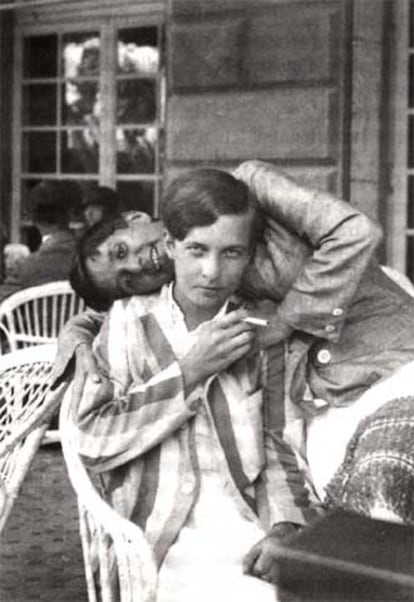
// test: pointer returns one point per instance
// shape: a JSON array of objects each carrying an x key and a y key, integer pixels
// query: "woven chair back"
[
  {"x": 25, "y": 408},
  {"x": 35, "y": 315}
]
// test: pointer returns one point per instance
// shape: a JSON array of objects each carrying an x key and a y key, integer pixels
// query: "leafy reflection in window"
[
  {"x": 64, "y": 132},
  {"x": 136, "y": 103},
  {"x": 81, "y": 103},
  {"x": 136, "y": 100}
]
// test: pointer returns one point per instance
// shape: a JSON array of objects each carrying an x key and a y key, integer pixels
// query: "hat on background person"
[{"x": 98, "y": 203}]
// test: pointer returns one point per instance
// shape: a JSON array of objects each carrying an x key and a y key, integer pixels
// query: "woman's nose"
[{"x": 211, "y": 267}]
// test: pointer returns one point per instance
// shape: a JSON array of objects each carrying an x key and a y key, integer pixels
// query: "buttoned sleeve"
[
  {"x": 139, "y": 404},
  {"x": 341, "y": 242}
]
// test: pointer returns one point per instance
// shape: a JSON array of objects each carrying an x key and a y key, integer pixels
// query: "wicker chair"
[
  {"x": 25, "y": 408},
  {"x": 35, "y": 315},
  {"x": 119, "y": 564}
]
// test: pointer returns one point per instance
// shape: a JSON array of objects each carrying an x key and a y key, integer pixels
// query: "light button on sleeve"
[
  {"x": 338, "y": 311},
  {"x": 329, "y": 328},
  {"x": 324, "y": 356}
]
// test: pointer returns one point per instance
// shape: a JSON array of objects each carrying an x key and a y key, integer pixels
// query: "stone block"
[
  {"x": 290, "y": 44},
  {"x": 205, "y": 54},
  {"x": 276, "y": 124}
]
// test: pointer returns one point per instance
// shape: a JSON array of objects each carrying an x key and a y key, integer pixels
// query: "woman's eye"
[
  {"x": 121, "y": 251},
  {"x": 233, "y": 253},
  {"x": 196, "y": 251}
]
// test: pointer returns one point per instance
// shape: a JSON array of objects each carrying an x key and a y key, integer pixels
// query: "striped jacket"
[{"x": 136, "y": 430}]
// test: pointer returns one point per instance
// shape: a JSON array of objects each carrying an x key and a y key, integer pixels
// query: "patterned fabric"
[
  {"x": 139, "y": 425},
  {"x": 377, "y": 475}
]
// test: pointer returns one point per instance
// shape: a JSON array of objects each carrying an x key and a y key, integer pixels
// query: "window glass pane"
[
  {"x": 80, "y": 103},
  {"x": 39, "y": 104},
  {"x": 80, "y": 151},
  {"x": 136, "y": 150},
  {"x": 80, "y": 54},
  {"x": 411, "y": 18},
  {"x": 411, "y": 82},
  {"x": 410, "y": 149},
  {"x": 138, "y": 50},
  {"x": 410, "y": 203},
  {"x": 136, "y": 101},
  {"x": 40, "y": 56},
  {"x": 137, "y": 195},
  {"x": 410, "y": 257},
  {"x": 39, "y": 152}
]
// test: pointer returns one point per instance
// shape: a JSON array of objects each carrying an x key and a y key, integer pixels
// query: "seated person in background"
[
  {"x": 181, "y": 433},
  {"x": 52, "y": 261},
  {"x": 348, "y": 328},
  {"x": 99, "y": 202}
]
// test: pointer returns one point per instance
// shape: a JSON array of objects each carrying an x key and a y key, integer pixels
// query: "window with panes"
[
  {"x": 89, "y": 109},
  {"x": 400, "y": 230}
]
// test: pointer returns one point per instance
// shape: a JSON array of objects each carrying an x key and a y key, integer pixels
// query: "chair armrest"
[{"x": 101, "y": 526}]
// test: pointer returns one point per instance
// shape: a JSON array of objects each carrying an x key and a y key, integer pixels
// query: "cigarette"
[{"x": 256, "y": 321}]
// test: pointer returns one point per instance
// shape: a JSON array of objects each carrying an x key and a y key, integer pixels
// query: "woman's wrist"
[{"x": 285, "y": 529}]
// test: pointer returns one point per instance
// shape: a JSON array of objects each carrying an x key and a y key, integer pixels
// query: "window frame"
[
  {"x": 107, "y": 25},
  {"x": 398, "y": 232}
]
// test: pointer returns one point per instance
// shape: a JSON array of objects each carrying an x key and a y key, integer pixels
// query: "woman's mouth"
[
  {"x": 210, "y": 290},
  {"x": 155, "y": 258}
]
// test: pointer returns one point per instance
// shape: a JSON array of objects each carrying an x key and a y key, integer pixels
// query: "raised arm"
[
  {"x": 315, "y": 252},
  {"x": 148, "y": 394}
]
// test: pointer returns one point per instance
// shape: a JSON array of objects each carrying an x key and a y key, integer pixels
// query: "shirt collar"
[{"x": 176, "y": 312}]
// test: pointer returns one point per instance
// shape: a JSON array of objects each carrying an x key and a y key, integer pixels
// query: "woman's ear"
[{"x": 169, "y": 244}]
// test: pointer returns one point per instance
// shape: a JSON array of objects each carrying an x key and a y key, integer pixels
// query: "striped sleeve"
[
  {"x": 129, "y": 413},
  {"x": 288, "y": 497},
  {"x": 286, "y": 493}
]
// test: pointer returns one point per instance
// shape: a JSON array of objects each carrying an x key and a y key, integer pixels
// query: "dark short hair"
[
  {"x": 200, "y": 196},
  {"x": 47, "y": 202},
  {"x": 103, "y": 196},
  {"x": 88, "y": 244}
]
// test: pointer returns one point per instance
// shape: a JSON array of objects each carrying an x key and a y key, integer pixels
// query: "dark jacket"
[{"x": 52, "y": 261}]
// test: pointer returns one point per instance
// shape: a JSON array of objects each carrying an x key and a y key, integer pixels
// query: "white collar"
[{"x": 176, "y": 311}]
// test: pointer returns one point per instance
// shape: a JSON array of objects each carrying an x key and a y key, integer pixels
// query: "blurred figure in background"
[
  {"x": 14, "y": 254},
  {"x": 52, "y": 261},
  {"x": 99, "y": 203}
]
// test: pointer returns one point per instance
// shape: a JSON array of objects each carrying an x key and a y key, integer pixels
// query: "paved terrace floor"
[{"x": 40, "y": 550}]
